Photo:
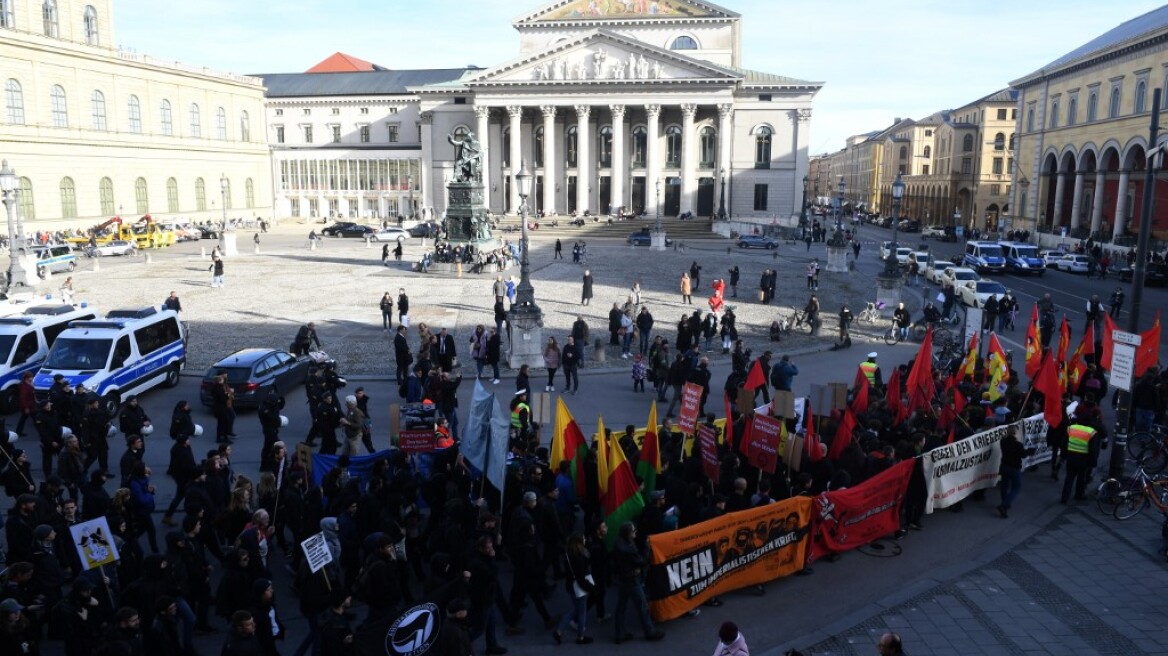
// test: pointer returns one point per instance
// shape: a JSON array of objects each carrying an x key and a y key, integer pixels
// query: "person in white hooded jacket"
[{"x": 731, "y": 642}]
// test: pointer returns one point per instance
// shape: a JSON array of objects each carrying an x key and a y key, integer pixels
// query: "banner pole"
[{"x": 13, "y": 463}]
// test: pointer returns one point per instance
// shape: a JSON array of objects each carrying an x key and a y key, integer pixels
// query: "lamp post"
[
  {"x": 223, "y": 194},
  {"x": 16, "y": 273},
  {"x": 657, "y": 239},
  {"x": 1025, "y": 184},
  {"x": 410, "y": 182},
  {"x": 227, "y": 237},
  {"x": 891, "y": 264},
  {"x": 839, "y": 216},
  {"x": 803, "y": 207},
  {"x": 722, "y": 200},
  {"x": 525, "y": 316}
]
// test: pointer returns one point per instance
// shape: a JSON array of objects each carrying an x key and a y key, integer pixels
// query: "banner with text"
[
  {"x": 852, "y": 517},
  {"x": 691, "y": 401},
  {"x": 1033, "y": 433},
  {"x": 691, "y": 565},
  {"x": 955, "y": 470}
]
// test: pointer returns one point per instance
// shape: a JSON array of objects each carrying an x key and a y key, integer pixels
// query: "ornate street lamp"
[
  {"x": 410, "y": 182},
  {"x": 660, "y": 188},
  {"x": 524, "y": 313},
  {"x": 891, "y": 264},
  {"x": 722, "y": 200},
  {"x": 803, "y": 208},
  {"x": 839, "y": 215},
  {"x": 223, "y": 185},
  {"x": 16, "y": 274}
]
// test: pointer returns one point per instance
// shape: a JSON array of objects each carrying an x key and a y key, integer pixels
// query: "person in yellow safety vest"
[
  {"x": 1082, "y": 455},
  {"x": 872, "y": 371},
  {"x": 520, "y": 413}
]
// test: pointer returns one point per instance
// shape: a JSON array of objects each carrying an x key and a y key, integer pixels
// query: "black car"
[
  {"x": 208, "y": 232},
  {"x": 347, "y": 229},
  {"x": 643, "y": 238},
  {"x": 252, "y": 372},
  {"x": 424, "y": 229},
  {"x": 1156, "y": 275}
]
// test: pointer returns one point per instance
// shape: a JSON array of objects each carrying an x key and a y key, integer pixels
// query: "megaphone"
[
  {"x": 198, "y": 430},
  {"x": 283, "y": 421}
]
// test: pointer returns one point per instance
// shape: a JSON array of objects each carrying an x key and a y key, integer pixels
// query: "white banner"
[
  {"x": 954, "y": 470},
  {"x": 1033, "y": 433},
  {"x": 94, "y": 543}
]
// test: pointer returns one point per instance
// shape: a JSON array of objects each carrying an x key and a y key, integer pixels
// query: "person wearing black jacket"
[
  {"x": 49, "y": 431},
  {"x": 403, "y": 307},
  {"x": 734, "y": 278},
  {"x": 162, "y": 638},
  {"x": 580, "y": 585},
  {"x": 701, "y": 377},
  {"x": 333, "y": 627},
  {"x": 269, "y": 416},
  {"x": 600, "y": 560},
  {"x": 95, "y": 427},
  {"x": 269, "y": 628},
  {"x": 1011, "y": 471},
  {"x": 644, "y": 328},
  {"x": 133, "y": 418},
  {"x": 570, "y": 359},
  {"x": 183, "y": 470},
  {"x": 305, "y": 338},
  {"x": 629, "y": 567},
  {"x": 379, "y": 581},
  {"x": 447, "y": 352},
  {"x": 401, "y": 355},
  {"x": 180, "y": 420},
  {"x": 485, "y": 596},
  {"x": 325, "y": 421}
]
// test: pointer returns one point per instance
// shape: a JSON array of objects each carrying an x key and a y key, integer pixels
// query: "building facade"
[
  {"x": 94, "y": 132},
  {"x": 612, "y": 107}
]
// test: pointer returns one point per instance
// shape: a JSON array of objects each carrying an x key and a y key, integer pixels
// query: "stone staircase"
[{"x": 509, "y": 228}]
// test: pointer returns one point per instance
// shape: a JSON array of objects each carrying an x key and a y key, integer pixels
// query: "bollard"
[
  {"x": 96, "y": 264},
  {"x": 598, "y": 349},
  {"x": 257, "y": 249},
  {"x": 458, "y": 266},
  {"x": 311, "y": 244},
  {"x": 368, "y": 242},
  {"x": 149, "y": 258},
  {"x": 202, "y": 252}
]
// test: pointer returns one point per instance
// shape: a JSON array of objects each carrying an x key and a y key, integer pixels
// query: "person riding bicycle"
[
  {"x": 932, "y": 315},
  {"x": 902, "y": 320}
]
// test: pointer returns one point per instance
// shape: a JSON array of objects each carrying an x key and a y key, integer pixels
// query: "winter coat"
[
  {"x": 686, "y": 286},
  {"x": 736, "y": 648}
]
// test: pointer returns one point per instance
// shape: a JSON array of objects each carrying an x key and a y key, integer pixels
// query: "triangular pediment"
[
  {"x": 602, "y": 56},
  {"x": 605, "y": 11}
]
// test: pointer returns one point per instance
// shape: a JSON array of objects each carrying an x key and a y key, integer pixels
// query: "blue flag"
[{"x": 484, "y": 440}]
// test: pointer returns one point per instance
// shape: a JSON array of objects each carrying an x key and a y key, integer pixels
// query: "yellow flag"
[{"x": 602, "y": 457}]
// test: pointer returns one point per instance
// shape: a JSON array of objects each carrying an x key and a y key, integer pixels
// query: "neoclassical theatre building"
[{"x": 609, "y": 103}]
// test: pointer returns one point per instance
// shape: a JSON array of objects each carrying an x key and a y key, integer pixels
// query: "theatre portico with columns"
[{"x": 602, "y": 102}]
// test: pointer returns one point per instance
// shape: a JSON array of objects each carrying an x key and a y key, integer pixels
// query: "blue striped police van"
[
  {"x": 127, "y": 352},
  {"x": 25, "y": 340}
]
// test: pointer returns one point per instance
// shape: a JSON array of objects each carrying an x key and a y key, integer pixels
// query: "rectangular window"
[
  {"x": 928, "y": 133},
  {"x": 995, "y": 190},
  {"x": 1013, "y": 114},
  {"x": 364, "y": 110},
  {"x": 279, "y": 134},
  {"x": 336, "y": 134},
  {"x": 925, "y": 169},
  {"x": 764, "y": 97},
  {"x": 966, "y": 165},
  {"x": 364, "y": 134},
  {"x": 336, "y": 111},
  {"x": 998, "y": 166},
  {"x": 1002, "y": 114},
  {"x": 1030, "y": 120},
  {"x": 419, "y": 133},
  {"x": 760, "y": 198},
  {"x": 460, "y": 101},
  {"x": 279, "y": 112},
  {"x": 306, "y": 111},
  {"x": 393, "y": 133},
  {"x": 308, "y": 134}
]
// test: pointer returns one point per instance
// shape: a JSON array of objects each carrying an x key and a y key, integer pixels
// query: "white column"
[
  {"x": 1097, "y": 201},
  {"x": 1077, "y": 199},
  {"x": 583, "y": 160},
  {"x": 516, "y": 114},
  {"x": 482, "y": 132},
  {"x": 725, "y": 138},
  {"x": 1059, "y": 192},
  {"x": 549, "y": 157},
  {"x": 1121, "y": 204},
  {"x": 618, "y": 156},
  {"x": 652, "y": 152},
  {"x": 429, "y": 197},
  {"x": 688, "y": 155}
]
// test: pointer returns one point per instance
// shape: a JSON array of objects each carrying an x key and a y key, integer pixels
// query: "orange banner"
[{"x": 734, "y": 551}]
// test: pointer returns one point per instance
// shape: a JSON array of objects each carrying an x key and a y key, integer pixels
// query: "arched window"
[
  {"x": 141, "y": 196},
  {"x": 200, "y": 195},
  {"x": 903, "y": 153},
  {"x": 572, "y": 145},
  {"x": 999, "y": 141},
  {"x": 166, "y": 118},
  {"x": 14, "y": 100},
  {"x": 707, "y": 147},
  {"x": 7, "y": 15},
  {"x": 106, "y": 192},
  {"x": 1141, "y": 96},
  {"x": 506, "y": 147},
  {"x": 673, "y": 146},
  {"x": 1113, "y": 106},
  {"x": 928, "y": 152},
  {"x": 1072, "y": 111},
  {"x": 68, "y": 198},
  {"x": 604, "y": 145},
  {"x": 221, "y": 124},
  {"x": 538, "y": 146},
  {"x": 90, "y": 23},
  {"x": 244, "y": 127},
  {"x": 196, "y": 122},
  {"x": 249, "y": 189},
  {"x": 684, "y": 43},
  {"x": 1054, "y": 114},
  {"x": 49, "y": 12},
  {"x": 226, "y": 189},
  {"x": 27, "y": 208},
  {"x": 1092, "y": 107},
  {"x": 98, "y": 104},
  {"x": 640, "y": 142},
  {"x": 1011, "y": 142},
  {"x": 967, "y": 144},
  {"x": 171, "y": 195},
  {"x": 762, "y": 147},
  {"x": 135, "y": 114},
  {"x": 58, "y": 106}
]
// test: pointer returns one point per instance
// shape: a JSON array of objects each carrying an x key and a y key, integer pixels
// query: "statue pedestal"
[
  {"x": 837, "y": 259},
  {"x": 526, "y": 348},
  {"x": 228, "y": 245},
  {"x": 657, "y": 240},
  {"x": 889, "y": 292}
]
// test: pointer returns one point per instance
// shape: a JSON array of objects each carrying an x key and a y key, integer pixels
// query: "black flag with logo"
[{"x": 409, "y": 633}]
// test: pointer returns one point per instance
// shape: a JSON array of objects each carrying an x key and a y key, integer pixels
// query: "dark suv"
[
  {"x": 347, "y": 229},
  {"x": 1156, "y": 275}
]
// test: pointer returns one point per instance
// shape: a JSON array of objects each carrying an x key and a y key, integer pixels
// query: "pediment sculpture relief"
[{"x": 598, "y": 65}]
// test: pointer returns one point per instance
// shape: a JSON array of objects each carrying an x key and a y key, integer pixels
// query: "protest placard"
[
  {"x": 316, "y": 551},
  {"x": 94, "y": 543}
]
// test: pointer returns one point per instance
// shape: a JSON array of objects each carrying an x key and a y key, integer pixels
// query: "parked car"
[
  {"x": 390, "y": 234},
  {"x": 934, "y": 231},
  {"x": 975, "y": 293},
  {"x": 643, "y": 238},
  {"x": 116, "y": 247},
  {"x": 347, "y": 229},
  {"x": 56, "y": 259},
  {"x": 1073, "y": 263},
  {"x": 935, "y": 273},
  {"x": 423, "y": 229},
  {"x": 208, "y": 232},
  {"x": 910, "y": 225},
  {"x": 252, "y": 372},
  {"x": 757, "y": 241},
  {"x": 958, "y": 276},
  {"x": 1052, "y": 257},
  {"x": 1156, "y": 275}
]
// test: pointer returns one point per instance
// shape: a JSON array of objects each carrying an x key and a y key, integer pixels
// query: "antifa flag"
[{"x": 413, "y": 631}]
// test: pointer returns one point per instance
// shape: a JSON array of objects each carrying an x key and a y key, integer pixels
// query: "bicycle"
[
  {"x": 1143, "y": 494},
  {"x": 892, "y": 336},
  {"x": 1150, "y": 448},
  {"x": 871, "y": 313}
]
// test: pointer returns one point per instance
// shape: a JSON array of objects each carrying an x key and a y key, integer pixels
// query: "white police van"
[
  {"x": 1023, "y": 258},
  {"x": 127, "y": 352},
  {"x": 25, "y": 340},
  {"x": 983, "y": 256}
]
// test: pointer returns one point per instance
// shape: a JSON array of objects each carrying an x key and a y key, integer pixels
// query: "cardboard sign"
[
  {"x": 416, "y": 441},
  {"x": 784, "y": 404},
  {"x": 316, "y": 551},
  {"x": 304, "y": 457},
  {"x": 708, "y": 442},
  {"x": 691, "y": 400},
  {"x": 94, "y": 543}
]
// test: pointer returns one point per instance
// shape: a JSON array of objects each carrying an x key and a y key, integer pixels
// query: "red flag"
[
  {"x": 952, "y": 435},
  {"x": 1047, "y": 383},
  {"x": 860, "y": 402},
  {"x": 814, "y": 447},
  {"x": 1148, "y": 352},
  {"x": 756, "y": 378},
  {"x": 859, "y": 377},
  {"x": 892, "y": 397},
  {"x": 1064, "y": 344},
  {"x": 1105, "y": 352},
  {"x": 729, "y": 422},
  {"x": 1078, "y": 364},
  {"x": 843, "y": 435},
  {"x": 920, "y": 377},
  {"x": 958, "y": 400},
  {"x": 1033, "y": 345}
]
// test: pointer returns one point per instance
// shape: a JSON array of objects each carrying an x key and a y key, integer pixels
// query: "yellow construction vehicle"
[
  {"x": 149, "y": 234},
  {"x": 102, "y": 234}
]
